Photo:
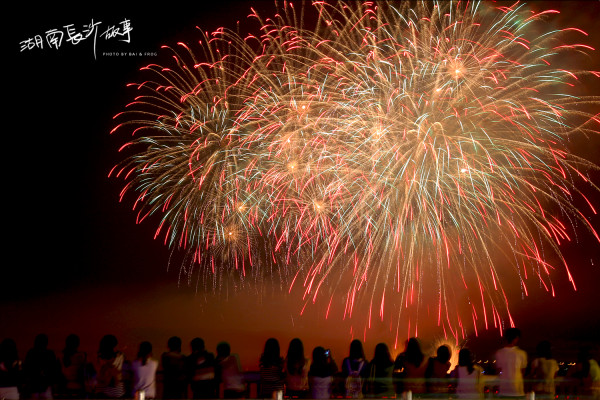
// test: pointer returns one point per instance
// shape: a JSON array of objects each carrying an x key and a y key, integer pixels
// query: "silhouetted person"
[
  {"x": 11, "y": 374},
  {"x": 412, "y": 365},
  {"x": 543, "y": 370},
  {"x": 73, "y": 369},
  {"x": 144, "y": 372},
  {"x": 174, "y": 373},
  {"x": 510, "y": 364},
  {"x": 468, "y": 376},
  {"x": 380, "y": 369},
  {"x": 587, "y": 372},
  {"x": 200, "y": 367},
  {"x": 109, "y": 369},
  {"x": 296, "y": 370},
  {"x": 41, "y": 369},
  {"x": 230, "y": 372},
  {"x": 354, "y": 369},
  {"x": 436, "y": 374},
  {"x": 271, "y": 369},
  {"x": 320, "y": 375}
]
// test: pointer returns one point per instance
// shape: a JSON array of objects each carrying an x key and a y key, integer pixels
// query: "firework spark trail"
[{"x": 380, "y": 155}]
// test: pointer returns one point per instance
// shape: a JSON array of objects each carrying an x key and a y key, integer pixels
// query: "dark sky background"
[{"x": 75, "y": 261}]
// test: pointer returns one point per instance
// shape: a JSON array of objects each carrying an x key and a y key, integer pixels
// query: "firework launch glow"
[{"x": 374, "y": 154}]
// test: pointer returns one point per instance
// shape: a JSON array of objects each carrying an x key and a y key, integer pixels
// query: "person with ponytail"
[{"x": 144, "y": 372}]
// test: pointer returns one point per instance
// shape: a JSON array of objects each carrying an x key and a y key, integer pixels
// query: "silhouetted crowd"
[{"x": 204, "y": 375}]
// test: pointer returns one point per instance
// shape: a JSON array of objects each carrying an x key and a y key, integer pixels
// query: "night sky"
[{"x": 75, "y": 260}]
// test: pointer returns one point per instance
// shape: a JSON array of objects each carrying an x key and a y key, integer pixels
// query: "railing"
[{"x": 566, "y": 388}]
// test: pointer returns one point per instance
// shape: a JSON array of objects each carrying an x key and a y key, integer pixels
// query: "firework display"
[{"x": 408, "y": 157}]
